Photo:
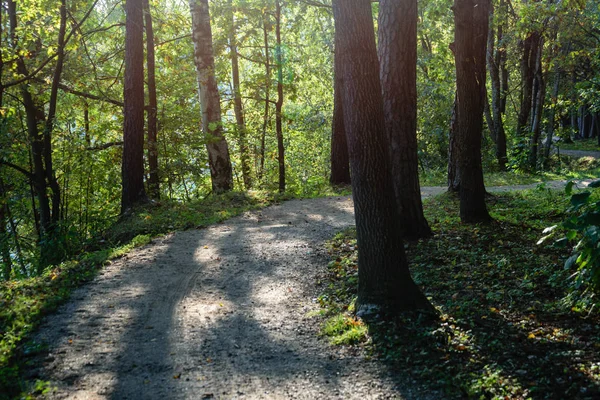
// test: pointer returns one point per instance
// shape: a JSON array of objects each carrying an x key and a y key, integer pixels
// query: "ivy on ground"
[{"x": 508, "y": 328}]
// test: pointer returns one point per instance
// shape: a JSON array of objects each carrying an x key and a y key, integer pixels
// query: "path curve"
[{"x": 221, "y": 312}]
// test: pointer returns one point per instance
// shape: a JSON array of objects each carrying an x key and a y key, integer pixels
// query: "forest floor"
[{"x": 222, "y": 312}]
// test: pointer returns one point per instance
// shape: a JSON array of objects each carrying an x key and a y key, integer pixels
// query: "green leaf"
[
  {"x": 579, "y": 199},
  {"x": 569, "y": 187}
]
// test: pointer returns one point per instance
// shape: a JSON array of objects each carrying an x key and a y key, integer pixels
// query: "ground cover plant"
[{"x": 507, "y": 326}]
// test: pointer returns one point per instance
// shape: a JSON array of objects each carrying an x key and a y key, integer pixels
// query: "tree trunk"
[
  {"x": 267, "y": 94},
  {"x": 4, "y": 235},
  {"x": 279, "y": 103},
  {"x": 496, "y": 62},
  {"x": 453, "y": 168},
  {"x": 133, "y": 132},
  {"x": 340, "y": 164},
  {"x": 384, "y": 279},
  {"x": 471, "y": 26},
  {"x": 398, "y": 73},
  {"x": 552, "y": 116},
  {"x": 537, "y": 109},
  {"x": 238, "y": 109},
  {"x": 218, "y": 151},
  {"x": 153, "y": 173},
  {"x": 529, "y": 48}
]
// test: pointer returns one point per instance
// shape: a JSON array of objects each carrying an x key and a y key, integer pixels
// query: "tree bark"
[
  {"x": 237, "y": 101},
  {"x": 267, "y": 94},
  {"x": 398, "y": 73},
  {"x": 453, "y": 167},
  {"x": 208, "y": 92},
  {"x": 471, "y": 28},
  {"x": 340, "y": 163},
  {"x": 279, "y": 103},
  {"x": 384, "y": 278},
  {"x": 152, "y": 117},
  {"x": 132, "y": 171},
  {"x": 4, "y": 235},
  {"x": 496, "y": 62},
  {"x": 537, "y": 109}
]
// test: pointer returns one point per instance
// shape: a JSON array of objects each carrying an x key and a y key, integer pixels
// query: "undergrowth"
[{"x": 507, "y": 327}]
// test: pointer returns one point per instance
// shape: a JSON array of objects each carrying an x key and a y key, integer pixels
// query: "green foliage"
[
  {"x": 344, "y": 329},
  {"x": 582, "y": 224},
  {"x": 504, "y": 331}
]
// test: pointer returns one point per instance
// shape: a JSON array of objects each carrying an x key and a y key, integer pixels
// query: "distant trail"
[
  {"x": 429, "y": 191},
  {"x": 221, "y": 312},
  {"x": 578, "y": 153}
]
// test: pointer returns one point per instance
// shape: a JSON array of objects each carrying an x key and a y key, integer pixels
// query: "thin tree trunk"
[
  {"x": 208, "y": 92},
  {"x": 537, "y": 109},
  {"x": 496, "y": 61},
  {"x": 50, "y": 119},
  {"x": 267, "y": 95},
  {"x": 4, "y": 235},
  {"x": 35, "y": 118},
  {"x": 237, "y": 102},
  {"x": 453, "y": 167},
  {"x": 384, "y": 280},
  {"x": 153, "y": 173},
  {"x": 471, "y": 27},
  {"x": 398, "y": 73},
  {"x": 279, "y": 103},
  {"x": 133, "y": 132},
  {"x": 552, "y": 116},
  {"x": 529, "y": 47},
  {"x": 340, "y": 163}
]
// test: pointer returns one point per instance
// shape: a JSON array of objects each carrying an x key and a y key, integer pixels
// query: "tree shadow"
[{"x": 204, "y": 313}]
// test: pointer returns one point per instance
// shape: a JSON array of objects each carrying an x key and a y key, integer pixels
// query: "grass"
[
  {"x": 507, "y": 328},
  {"x": 23, "y": 303}
]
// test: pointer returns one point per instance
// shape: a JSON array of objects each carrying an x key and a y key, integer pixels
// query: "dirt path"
[
  {"x": 215, "y": 313},
  {"x": 578, "y": 153}
]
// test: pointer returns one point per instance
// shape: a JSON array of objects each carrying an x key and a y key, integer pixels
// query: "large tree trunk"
[
  {"x": 153, "y": 175},
  {"x": 340, "y": 164},
  {"x": 237, "y": 101},
  {"x": 398, "y": 72},
  {"x": 384, "y": 278},
  {"x": 133, "y": 133},
  {"x": 471, "y": 26},
  {"x": 279, "y": 103},
  {"x": 218, "y": 151}
]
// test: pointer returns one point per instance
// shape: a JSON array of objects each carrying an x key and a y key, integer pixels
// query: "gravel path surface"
[
  {"x": 221, "y": 312},
  {"x": 578, "y": 153}
]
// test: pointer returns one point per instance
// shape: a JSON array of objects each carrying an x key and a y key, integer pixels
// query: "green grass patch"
[
  {"x": 345, "y": 329},
  {"x": 505, "y": 329}
]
